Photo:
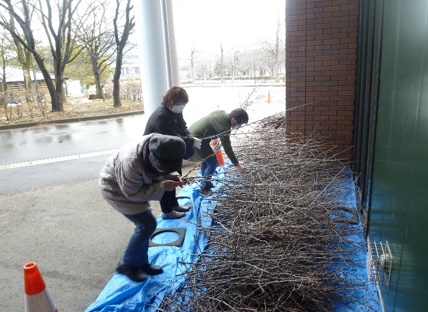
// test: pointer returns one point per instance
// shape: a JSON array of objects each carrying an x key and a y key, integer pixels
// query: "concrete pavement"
[{"x": 72, "y": 234}]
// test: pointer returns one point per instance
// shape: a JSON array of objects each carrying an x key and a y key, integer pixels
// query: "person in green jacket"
[{"x": 218, "y": 124}]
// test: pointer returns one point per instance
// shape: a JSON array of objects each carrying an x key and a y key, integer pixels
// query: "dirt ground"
[{"x": 75, "y": 108}]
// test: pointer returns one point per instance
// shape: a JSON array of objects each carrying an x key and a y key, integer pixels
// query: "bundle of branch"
[{"x": 274, "y": 244}]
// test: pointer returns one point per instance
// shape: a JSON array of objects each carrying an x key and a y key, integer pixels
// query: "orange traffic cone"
[
  {"x": 37, "y": 298},
  {"x": 215, "y": 145},
  {"x": 220, "y": 158}
]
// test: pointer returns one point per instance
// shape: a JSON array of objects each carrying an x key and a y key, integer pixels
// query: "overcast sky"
[{"x": 203, "y": 24}]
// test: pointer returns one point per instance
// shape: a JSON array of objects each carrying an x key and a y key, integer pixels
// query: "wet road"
[
  {"x": 44, "y": 144},
  {"x": 73, "y": 152},
  {"x": 47, "y": 142},
  {"x": 61, "y": 154}
]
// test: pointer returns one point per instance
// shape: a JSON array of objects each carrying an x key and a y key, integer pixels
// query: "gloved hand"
[{"x": 197, "y": 143}]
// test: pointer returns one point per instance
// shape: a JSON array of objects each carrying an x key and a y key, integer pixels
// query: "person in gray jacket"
[{"x": 141, "y": 171}]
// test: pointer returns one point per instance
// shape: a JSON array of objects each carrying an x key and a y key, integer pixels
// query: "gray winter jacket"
[{"x": 127, "y": 183}]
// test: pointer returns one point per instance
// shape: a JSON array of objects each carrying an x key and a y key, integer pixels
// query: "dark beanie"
[{"x": 166, "y": 152}]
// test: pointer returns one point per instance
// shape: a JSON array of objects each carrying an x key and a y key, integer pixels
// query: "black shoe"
[
  {"x": 133, "y": 273},
  {"x": 205, "y": 191},
  {"x": 152, "y": 269},
  {"x": 172, "y": 215},
  {"x": 181, "y": 208}
]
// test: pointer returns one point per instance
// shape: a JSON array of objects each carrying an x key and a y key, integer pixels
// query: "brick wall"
[{"x": 321, "y": 52}]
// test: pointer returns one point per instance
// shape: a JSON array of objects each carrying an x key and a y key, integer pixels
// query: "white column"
[
  {"x": 173, "y": 60},
  {"x": 151, "y": 34}
]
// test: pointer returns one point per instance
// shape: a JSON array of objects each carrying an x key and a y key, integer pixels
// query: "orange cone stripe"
[
  {"x": 220, "y": 158},
  {"x": 33, "y": 280}
]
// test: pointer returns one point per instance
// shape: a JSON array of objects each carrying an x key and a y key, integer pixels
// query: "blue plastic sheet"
[
  {"x": 364, "y": 297},
  {"x": 123, "y": 295}
]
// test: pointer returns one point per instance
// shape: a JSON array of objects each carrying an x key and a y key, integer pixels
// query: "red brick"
[{"x": 321, "y": 68}]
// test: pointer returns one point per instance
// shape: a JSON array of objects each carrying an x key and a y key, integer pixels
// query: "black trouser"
[{"x": 168, "y": 201}]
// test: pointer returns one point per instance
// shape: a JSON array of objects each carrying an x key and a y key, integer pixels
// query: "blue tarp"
[
  {"x": 364, "y": 296},
  {"x": 121, "y": 294}
]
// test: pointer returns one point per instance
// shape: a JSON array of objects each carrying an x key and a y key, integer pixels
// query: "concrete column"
[
  {"x": 153, "y": 52},
  {"x": 173, "y": 60}
]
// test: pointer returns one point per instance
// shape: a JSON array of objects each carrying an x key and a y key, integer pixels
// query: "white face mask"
[
  {"x": 235, "y": 126},
  {"x": 177, "y": 108}
]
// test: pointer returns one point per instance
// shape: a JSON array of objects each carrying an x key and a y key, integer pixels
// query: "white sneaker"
[{"x": 173, "y": 215}]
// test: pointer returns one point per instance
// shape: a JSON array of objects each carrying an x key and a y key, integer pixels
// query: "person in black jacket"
[{"x": 168, "y": 119}]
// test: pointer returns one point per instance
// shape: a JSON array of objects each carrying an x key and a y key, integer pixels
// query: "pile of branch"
[{"x": 280, "y": 232}]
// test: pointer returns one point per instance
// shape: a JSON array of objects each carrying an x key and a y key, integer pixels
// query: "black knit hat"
[{"x": 166, "y": 152}]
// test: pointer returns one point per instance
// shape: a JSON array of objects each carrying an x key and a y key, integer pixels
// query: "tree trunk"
[
  {"x": 28, "y": 84},
  {"x": 61, "y": 91},
  {"x": 57, "y": 101},
  {"x": 25, "y": 57},
  {"x": 116, "y": 79},
  {"x": 99, "y": 89},
  {"x": 120, "y": 46},
  {"x": 3, "y": 97},
  {"x": 59, "y": 76},
  {"x": 26, "y": 62},
  {"x": 192, "y": 65},
  {"x": 276, "y": 66},
  {"x": 3, "y": 88},
  {"x": 222, "y": 64}
]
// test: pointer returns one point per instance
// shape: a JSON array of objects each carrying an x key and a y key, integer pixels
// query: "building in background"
[
  {"x": 131, "y": 66},
  {"x": 12, "y": 79}
]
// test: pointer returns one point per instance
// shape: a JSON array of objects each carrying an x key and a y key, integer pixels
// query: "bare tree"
[
  {"x": 220, "y": 64},
  {"x": 26, "y": 60},
  {"x": 232, "y": 62},
  {"x": 275, "y": 52},
  {"x": 99, "y": 42},
  {"x": 6, "y": 51},
  {"x": 192, "y": 64},
  {"x": 57, "y": 25},
  {"x": 203, "y": 69},
  {"x": 121, "y": 34}
]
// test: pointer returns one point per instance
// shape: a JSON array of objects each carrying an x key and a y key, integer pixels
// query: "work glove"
[{"x": 197, "y": 143}]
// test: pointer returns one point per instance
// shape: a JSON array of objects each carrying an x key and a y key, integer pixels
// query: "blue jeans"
[
  {"x": 208, "y": 167},
  {"x": 136, "y": 252}
]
